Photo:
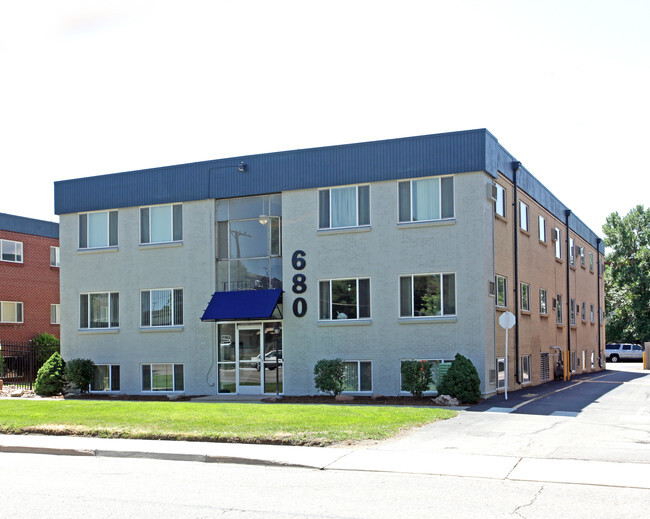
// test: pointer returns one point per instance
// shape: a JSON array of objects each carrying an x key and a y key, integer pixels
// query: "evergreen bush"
[
  {"x": 416, "y": 376},
  {"x": 50, "y": 379},
  {"x": 461, "y": 381},
  {"x": 79, "y": 372},
  {"x": 45, "y": 339},
  {"x": 328, "y": 376}
]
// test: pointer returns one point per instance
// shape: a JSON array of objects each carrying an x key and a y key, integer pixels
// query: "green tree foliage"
[
  {"x": 45, "y": 339},
  {"x": 416, "y": 376},
  {"x": 49, "y": 379},
  {"x": 328, "y": 376},
  {"x": 80, "y": 373},
  {"x": 461, "y": 381},
  {"x": 627, "y": 276}
]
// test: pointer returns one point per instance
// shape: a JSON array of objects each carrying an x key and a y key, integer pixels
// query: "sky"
[{"x": 93, "y": 87}]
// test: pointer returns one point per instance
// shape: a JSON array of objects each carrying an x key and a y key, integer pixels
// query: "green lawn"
[{"x": 246, "y": 423}]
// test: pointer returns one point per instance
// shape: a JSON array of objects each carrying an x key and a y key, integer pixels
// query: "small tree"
[
  {"x": 416, "y": 376},
  {"x": 461, "y": 381},
  {"x": 79, "y": 372},
  {"x": 45, "y": 339},
  {"x": 50, "y": 379},
  {"x": 328, "y": 376}
]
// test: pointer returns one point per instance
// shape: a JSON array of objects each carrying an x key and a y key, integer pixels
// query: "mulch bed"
[{"x": 357, "y": 400}]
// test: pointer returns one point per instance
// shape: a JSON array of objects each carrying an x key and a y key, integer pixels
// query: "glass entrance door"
[{"x": 250, "y": 345}]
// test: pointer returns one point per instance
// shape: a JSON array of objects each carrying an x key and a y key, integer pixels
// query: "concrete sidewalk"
[{"x": 630, "y": 475}]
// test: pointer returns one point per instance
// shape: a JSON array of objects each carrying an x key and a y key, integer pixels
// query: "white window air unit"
[
  {"x": 491, "y": 288},
  {"x": 492, "y": 192}
]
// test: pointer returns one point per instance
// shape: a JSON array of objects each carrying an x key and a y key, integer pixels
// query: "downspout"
[
  {"x": 568, "y": 290},
  {"x": 515, "y": 167},
  {"x": 600, "y": 351}
]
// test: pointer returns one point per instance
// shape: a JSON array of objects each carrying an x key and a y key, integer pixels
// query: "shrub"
[
  {"x": 80, "y": 373},
  {"x": 416, "y": 376},
  {"x": 328, "y": 376},
  {"x": 461, "y": 381},
  {"x": 50, "y": 379},
  {"x": 45, "y": 339}
]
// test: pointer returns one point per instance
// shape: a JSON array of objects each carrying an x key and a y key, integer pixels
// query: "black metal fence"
[{"x": 20, "y": 362}]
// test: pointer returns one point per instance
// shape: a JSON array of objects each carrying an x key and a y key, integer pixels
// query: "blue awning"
[{"x": 242, "y": 304}]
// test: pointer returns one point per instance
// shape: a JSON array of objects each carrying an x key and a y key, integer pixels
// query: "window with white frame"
[
  {"x": 583, "y": 258},
  {"x": 106, "y": 377},
  {"x": 523, "y": 216},
  {"x": 163, "y": 377},
  {"x": 558, "y": 308},
  {"x": 99, "y": 310},
  {"x": 161, "y": 307},
  {"x": 591, "y": 261},
  {"x": 524, "y": 296},
  {"x": 344, "y": 299},
  {"x": 558, "y": 243},
  {"x": 11, "y": 312},
  {"x": 500, "y": 202},
  {"x": 502, "y": 291},
  {"x": 543, "y": 301},
  {"x": 583, "y": 312},
  {"x": 427, "y": 295},
  {"x": 340, "y": 207},
  {"x": 541, "y": 226},
  {"x": 572, "y": 252},
  {"x": 439, "y": 369},
  {"x": 572, "y": 311},
  {"x": 55, "y": 314},
  {"x": 525, "y": 369},
  {"x": 357, "y": 376},
  {"x": 161, "y": 224},
  {"x": 501, "y": 373},
  {"x": 426, "y": 199},
  {"x": 55, "y": 257},
  {"x": 98, "y": 230},
  {"x": 11, "y": 251},
  {"x": 591, "y": 312}
]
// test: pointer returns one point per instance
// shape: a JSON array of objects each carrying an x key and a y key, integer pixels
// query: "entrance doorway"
[{"x": 246, "y": 357}]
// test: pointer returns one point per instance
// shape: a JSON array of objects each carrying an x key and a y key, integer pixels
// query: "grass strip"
[{"x": 224, "y": 422}]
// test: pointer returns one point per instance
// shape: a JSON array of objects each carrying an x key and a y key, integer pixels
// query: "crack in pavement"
[{"x": 532, "y": 502}]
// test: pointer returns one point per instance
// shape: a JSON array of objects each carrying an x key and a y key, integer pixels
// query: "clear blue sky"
[{"x": 94, "y": 87}]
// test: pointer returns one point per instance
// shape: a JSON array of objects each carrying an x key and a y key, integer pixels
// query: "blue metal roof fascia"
[
  {"x": 408, "y": 157},
  {"x": 243, "y": 304},
  {"x": 23, "y": 225}
]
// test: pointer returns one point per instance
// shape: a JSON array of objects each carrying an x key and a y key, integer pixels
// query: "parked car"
[
  {"x": 269, "y": 360},
  {"x": 624, "y": 351}
]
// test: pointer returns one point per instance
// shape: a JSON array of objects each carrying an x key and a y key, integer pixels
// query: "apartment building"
[
  {"x": 235, "y": 276},
  {"x": 29, "y": 278}
]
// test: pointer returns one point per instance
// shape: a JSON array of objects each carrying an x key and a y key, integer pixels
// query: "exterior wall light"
[
  {"x": 241, "y": 167},
  {"x": 263, "y": 219}
]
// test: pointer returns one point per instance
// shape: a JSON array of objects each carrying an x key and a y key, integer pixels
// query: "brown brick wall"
[
  {"x": 34, "y": 283},
  {"x": 539, "y": 268}
]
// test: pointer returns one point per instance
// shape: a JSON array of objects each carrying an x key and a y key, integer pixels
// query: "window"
[
  {"x": 439, "y": 369},
  {"x": 582, "y": 257},
  {"x": 11, "y": 312},
  {"x": 161, "y": 224},
  {"x": 427, "y": 295},
  {"x": 55, "y": 314},
  {"x": 573, "y": 361},
  {"x": 542, "y": 228},
  {"x": 543, "y": 302},
  {"x": 502, "y": 291},
  {"x": 341, "y": 207},
  {"x": 55, "y": 257},
  {"x": 106, "y": 377},
  {"x": 500, "y": 202},
  {"x": 591, "y": 313},
  {"x": 558, "y": 243},
  {"x": 357, "y": 376},
  {"x": 162, "y": 377},
  {"x": 344, "y": 299},
  {"x": 583, "y": 312},
  {"x": 572, "y": 310},
  {"x": 572, "y": 252},
  {"x": 426, "y": 199},
  {"x": 525, "y": 296},
  {"x": 525, "y": 369},
  {"x": 501, "y": 373},
  {"x": 99, "y": 310},
  {"x": 11, "y": 251},
  {"x": 591, "y": 261},
  {"x": 97, "y": 230},
  {"x": 162, "y": 307},
  {"x": 523, "y": 216},
  {"x": 558, "y": 308}
]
